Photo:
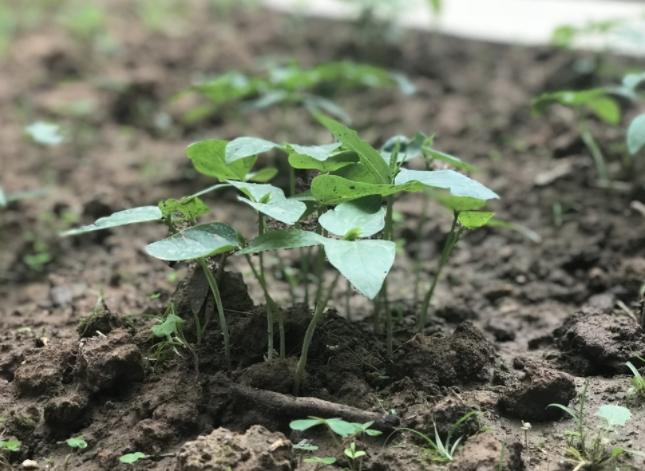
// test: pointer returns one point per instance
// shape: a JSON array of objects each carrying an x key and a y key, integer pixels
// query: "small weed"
[
  {"x": 132, "y": 457},
  {"x": 638, "y": 382}
]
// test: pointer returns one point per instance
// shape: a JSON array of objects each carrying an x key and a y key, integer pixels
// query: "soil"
[{"x": 518, "y": 322}]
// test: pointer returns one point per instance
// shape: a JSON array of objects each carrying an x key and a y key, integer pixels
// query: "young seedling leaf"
[
  {"x": 284, "y": 239},
  {"x": 262, "y": 176},
  {"x": 317, "y": 459},
  {"x": 167, "y": 327},
  {"x": 190, "y": 207},
  {"x": 195, "y": 242},
  {"x": 569, "y": 98},
  {"x": 245, "y": 147},
  {"x": 367, "y": 154},
  {"x": 132, "y": 457},
  {"x": 365, "y": 263},
  {"x": 305, "y": 424},
  {"x": 120, "y": 218},
  {"x": 76, "y": 442},
  {"x": 364, "y": 214},
  {"x": 568, "y": 410},
  {"x": 340, "y": 427},
  {"x": 606, "y": 109},
  {"x": 614, "y": 415},
  {"x": 457, "y": 203},
  {"x": 45, "y": 134},
  {"x": 270, "y": 200},
  {"x": 330, "y": 164},
  {"x": 458, "y": 184},
  {"x": 474, "y": 219},
  {"x": 636, "y": 134},
  {"x": 320, "y": 153},
  {"x": 208, "y": 157},
  {"x": 12, "y": 445}
]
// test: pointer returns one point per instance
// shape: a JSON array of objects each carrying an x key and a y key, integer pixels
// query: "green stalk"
[
  {"x": 451, "y": 241},
  {"x": 220, "y": 309},
  {"x": 318, "y": 315},
  {"x": 389, "y": 235},
  {"x": 376, "y": 316},
  {"x": 590, "y": 142},
  {"x": 263, "y": 283},
  {"x": 348, "y": 296},
  {"x": 417, "y": 257},
  {"x": 305, "y": 254}
]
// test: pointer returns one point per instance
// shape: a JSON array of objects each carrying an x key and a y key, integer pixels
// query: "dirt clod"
[
  {"x": 43, "y": 371},
  {"x": 65, "y": 413},
  {"x": 103, "y": 321},
  {"x": 483, "y": 453},
  {"x": 104, "y": 363},
  {"x": 528, "y": 399},
  {"x": 276, "y": 375},
  {"x": 257, "y": 450},
  {"x": 595, "y": 343}
]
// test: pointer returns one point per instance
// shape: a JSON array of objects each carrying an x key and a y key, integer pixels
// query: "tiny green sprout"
[
  {"x": 22, "y": 330},
  {"x": 526, "y": 426},
  {"x": 319, "y": 460},
  {"x": 637, "y": 381},
  {"x": 45, "y": 134},
  {"x": 12, "y": 445},
  {"x": 76, "y": 442},
  {"x": 132, "y": 457},
  {"x": 354, "y": 455}
]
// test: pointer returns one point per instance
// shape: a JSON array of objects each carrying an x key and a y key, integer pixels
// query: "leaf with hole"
[
  {"x": 244, "y": 147},
  {"x": 120, "y": 218},
  {"x": 195, "y": 242},
  {"x": 364, "y": 214},
  {"x": 208, "y": 157}
]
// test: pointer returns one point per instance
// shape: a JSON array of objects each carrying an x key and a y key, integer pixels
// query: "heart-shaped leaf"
[
  {"x": 614, "y": 415},
  {"x": 209, "y": 158},
  {"x": 365, "y": 263},
  {"x": 474, "y": 219},
  {"x": 195, "y": 242},
  {"x": 636, "y": 134},
  {"x": 364, "y": 215},
  {"x": 243, "y": 147},
  {"x": 120, "y": 218},
  {"x": 369, "y": 157}
]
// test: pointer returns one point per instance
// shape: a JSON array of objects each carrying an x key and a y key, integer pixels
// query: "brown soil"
[{"x": 516, "y": 324}]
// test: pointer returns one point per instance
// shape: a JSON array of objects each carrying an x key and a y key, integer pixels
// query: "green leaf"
[
  {"x": 13, "y": 445},
  {"x": 458, "y": 184},
  {"x": 365, "y": 263},
  {"x": 261, "y": 176},
  {"x": 120, "y": 218},
  {"x": 568, "y": 410},
  {"x": 474, "y": 219},
  {"x": 243, "y": 147},
  {"x": 364, "y": 214},
  {"x": 76, "y": 442},
  {"x": 226, "y": 88},
  {"x": 606, "y": 109},
  {"x": 457, "y": 203},
  {"x": 284, "y": 239},
  {"x": 208, "y": 157},
  {"x": 367, "y": 154},
  {"x": 614, "y": 415},
  {"x": 340, "y": 427},
  {"x": 44, "y": 133},
  {"x": 167, "y": 327},
  {"x": 195, "y": 242},
  {"x": 190, "y": 207},
  {"x": 330, "y": 164},
  {"x": 320, "y": 153},
  {"x": 305, "y": 424},
  {"x": 317, "y": 459},
  {"x": 636, "y": 134},
  {"x": 270, "y": 200},
  {"x": 569, "y": 98},
  {"x": 632, "y": 81},
  {"x": 132, "y": 457}
]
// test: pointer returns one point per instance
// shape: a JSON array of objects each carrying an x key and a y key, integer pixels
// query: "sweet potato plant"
[{"x": 350, "y": 203}]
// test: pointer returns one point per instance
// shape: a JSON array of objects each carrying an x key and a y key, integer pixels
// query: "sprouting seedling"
[
  {"x": 293, "y": 85},
  {"x": 597, "y": 100},
  {"x": 438, "y": 450},
  {"x": 354, "y": 455},
  {"x": 131, "y": 458},
  {"x": 594, "y": 454},
  {"x": 170, "y": 329},
  {"x": 75, "y": 443},
  {"x": 526, "y": 426},
  {"x": 6, "y": 448},
  {"x": 302, "y": 447},
  {"x": 637, "y": 381}
]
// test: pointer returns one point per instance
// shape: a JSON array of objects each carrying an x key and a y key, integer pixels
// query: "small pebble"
[{"x": 30, "y": 464}]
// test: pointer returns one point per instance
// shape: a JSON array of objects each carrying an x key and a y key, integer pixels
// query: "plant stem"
[
  {"x": 348, "y": 296},
  {"x": 389, "y": 235},
  {"x": 220, "y": 309},
  {"x": 417, "y": 256},
  {"x": 318, "y": 315},
  {"x": 451, "y": 241},
  {"x": 305, "y": 254},
  {"x": 377, "y": 316},
  {"x": 593, "y": 147},
  {"x": 262, "y": 281}
]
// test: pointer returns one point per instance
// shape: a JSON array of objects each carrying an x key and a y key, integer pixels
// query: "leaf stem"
[
  {"x": 388, "y": 234},
  {"x": 592, "y": 145},
  {"x": 220, "y": 309},
  {"x": 262, "y": 281},
  {"x": 318, "y": 315}
]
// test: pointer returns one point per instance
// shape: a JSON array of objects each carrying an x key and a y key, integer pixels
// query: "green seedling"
[
  {"x": 437, "y": 450},
  {"x": 292, "y": 85},
  {"x": 637, "y": 381},
  {"x": 355, "y": 456},
  {"x": 594, "y": 454},
  {"x": 6, "y": 448},
  {"x": 75, "y": 443},
  {"x": 170, "y": 329},
  {"x": 132, "y": 457}
]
